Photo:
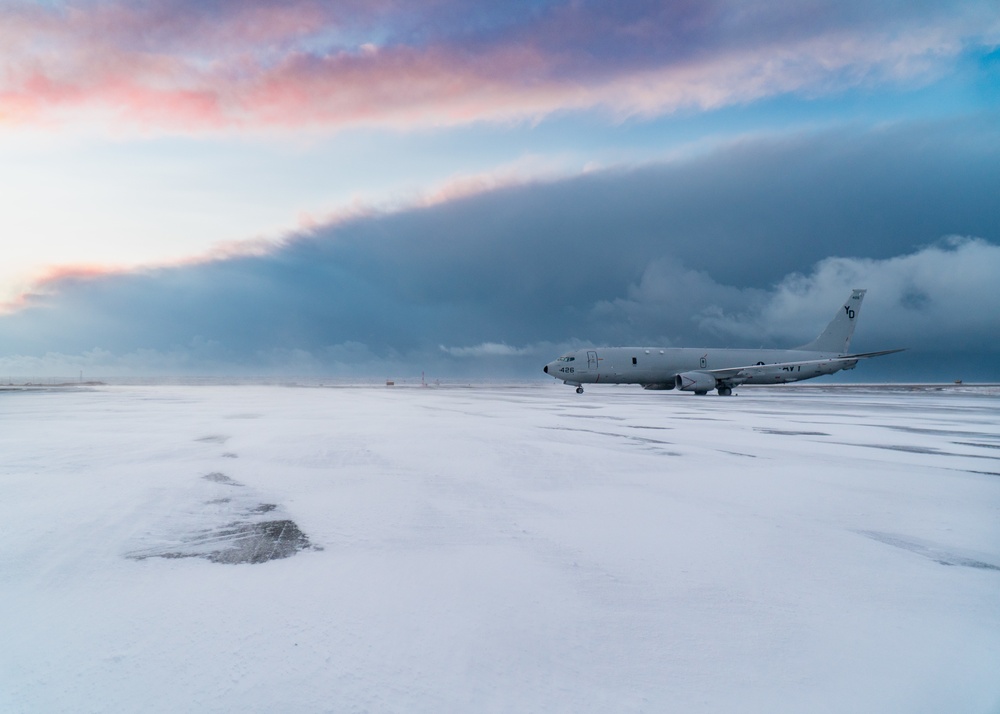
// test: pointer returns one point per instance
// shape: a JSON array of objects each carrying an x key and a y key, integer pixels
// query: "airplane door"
[{"x": 592, "y": 361}]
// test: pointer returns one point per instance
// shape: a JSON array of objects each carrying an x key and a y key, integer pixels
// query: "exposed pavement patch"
[
  {"x": 784, "y": 432},
  {"x": 943, "y": 432},
  {"x": 238, "y": 542},
  {"x": 219, "y": 477},
  {"x": 234, "y": 528},
  {"x": 930, "y": 450},
  {"x": 938, "y": 553}
]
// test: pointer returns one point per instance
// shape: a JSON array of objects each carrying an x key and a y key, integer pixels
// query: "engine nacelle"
[{"x": 697, "y": 382}]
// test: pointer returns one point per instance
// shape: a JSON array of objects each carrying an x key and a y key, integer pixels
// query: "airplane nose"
[{"x": 545, "y": 369}]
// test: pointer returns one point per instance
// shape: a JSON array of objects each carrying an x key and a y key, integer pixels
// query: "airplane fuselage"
[{"x": 658, "y": 367}]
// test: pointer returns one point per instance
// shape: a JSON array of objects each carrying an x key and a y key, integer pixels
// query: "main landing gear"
[{"x": 725, "y": 392}]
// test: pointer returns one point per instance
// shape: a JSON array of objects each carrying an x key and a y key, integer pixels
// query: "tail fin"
[{"x": 837, "y": 335}]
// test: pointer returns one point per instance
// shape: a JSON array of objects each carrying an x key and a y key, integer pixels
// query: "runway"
[{"x": 499, "y": 548}]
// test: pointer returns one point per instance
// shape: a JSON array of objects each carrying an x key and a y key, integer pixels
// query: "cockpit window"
[{"x": 566, "y": 358}]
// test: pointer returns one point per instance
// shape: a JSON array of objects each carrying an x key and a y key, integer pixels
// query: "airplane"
[{"x": 699, "y": 370}]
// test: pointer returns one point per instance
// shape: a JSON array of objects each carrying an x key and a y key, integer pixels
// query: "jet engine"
[{"x": 697, "y": 382}]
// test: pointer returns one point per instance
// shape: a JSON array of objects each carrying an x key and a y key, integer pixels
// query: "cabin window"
[{"x": 635, "y": 361}]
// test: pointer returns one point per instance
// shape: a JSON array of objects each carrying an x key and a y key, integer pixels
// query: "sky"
[{"x": 382, "y": 188}]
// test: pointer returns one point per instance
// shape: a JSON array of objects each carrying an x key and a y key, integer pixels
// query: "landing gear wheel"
[
  {"x": 725, "y": 392},
  {"x": 579, "y": 390}
]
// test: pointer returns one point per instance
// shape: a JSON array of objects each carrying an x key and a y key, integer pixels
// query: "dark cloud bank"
[{"x": 753, "y": 244}]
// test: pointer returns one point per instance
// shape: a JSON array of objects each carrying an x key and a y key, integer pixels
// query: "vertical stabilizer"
[{"x": 837, "y": 335}]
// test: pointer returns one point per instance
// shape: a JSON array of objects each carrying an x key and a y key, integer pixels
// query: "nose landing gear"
[{"x": 579, "y": 390}]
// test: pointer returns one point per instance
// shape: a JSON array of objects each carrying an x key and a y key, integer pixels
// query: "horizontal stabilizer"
[{"x": 866, "y": 355}]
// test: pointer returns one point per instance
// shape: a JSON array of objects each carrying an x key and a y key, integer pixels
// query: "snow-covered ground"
[{"x": 499, "y": 549}]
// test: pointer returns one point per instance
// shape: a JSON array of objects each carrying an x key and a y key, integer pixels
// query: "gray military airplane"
[{"x": 702, "y": 370}]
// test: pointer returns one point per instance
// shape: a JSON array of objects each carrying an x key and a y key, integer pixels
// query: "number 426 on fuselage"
[{"x": 700, "y": 370}]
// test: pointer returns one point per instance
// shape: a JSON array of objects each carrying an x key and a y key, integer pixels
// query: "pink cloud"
[
  {"x": 55, "y": 277},
  {"x": 176, "y": 66}
]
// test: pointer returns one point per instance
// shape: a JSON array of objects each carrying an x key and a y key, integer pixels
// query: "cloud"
[
  {"x": 757, "y": 242},
  {"x": 202, "y": 358},
  {"x": 486, "y": 349},
  {"x": 942, "y": 297},
  {"x": 195, "y": 67},
  {"x": 914, "y": 300}
]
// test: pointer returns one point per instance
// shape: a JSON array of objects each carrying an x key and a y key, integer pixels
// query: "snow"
[{"x": 498, "y": 549}]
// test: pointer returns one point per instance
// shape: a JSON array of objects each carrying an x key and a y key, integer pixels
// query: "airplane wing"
[{"x": 736, "y": 375}]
